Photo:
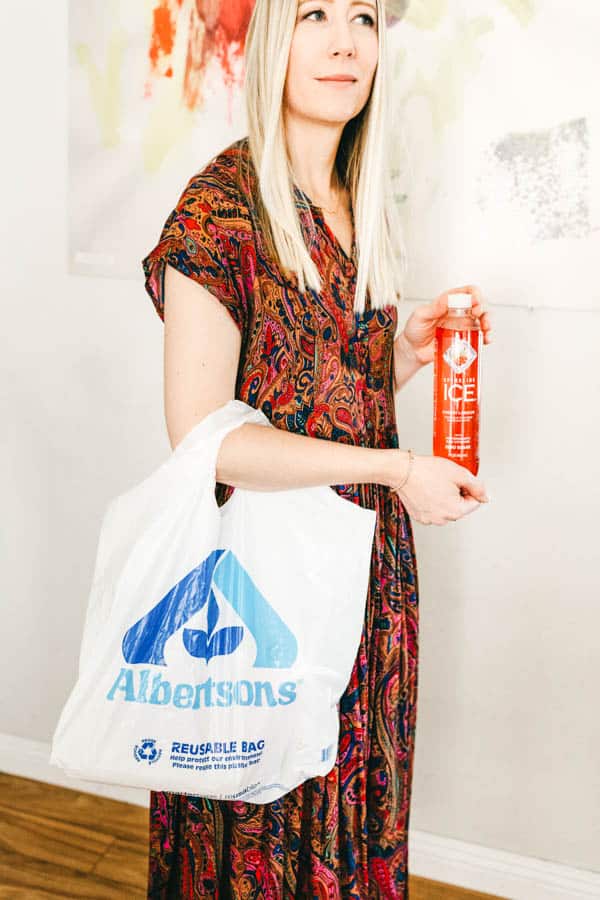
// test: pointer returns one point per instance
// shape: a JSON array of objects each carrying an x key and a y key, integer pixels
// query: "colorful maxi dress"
[{"x": 315, "y": 368}]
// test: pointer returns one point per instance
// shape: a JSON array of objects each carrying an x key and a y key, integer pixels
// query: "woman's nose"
[{"x": 341, "y": 39}]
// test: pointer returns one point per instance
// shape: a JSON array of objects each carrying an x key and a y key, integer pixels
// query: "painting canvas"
[
  {"x": 496, "y": 135},
  {"x": 155, "y": 92},
  {"x": 497, "y": 148}
]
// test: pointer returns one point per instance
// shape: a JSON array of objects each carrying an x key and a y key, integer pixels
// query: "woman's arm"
[
  {"x": 405, "y": 362},
  {"x": 271, "y": 459}
]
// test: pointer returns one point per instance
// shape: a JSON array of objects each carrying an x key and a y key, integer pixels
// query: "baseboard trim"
[
  {"x": 29, "y": 759},
  {"x": 431, "y": 856},
  {"x": 498, "y": 872}
]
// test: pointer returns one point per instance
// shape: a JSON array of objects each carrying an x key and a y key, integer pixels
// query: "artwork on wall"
[
  {"x": 155, "y": 92},
  {"x": 495, "y": 150}
]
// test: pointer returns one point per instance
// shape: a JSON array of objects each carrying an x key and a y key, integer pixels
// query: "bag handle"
[{"x": 208, "y": 435}]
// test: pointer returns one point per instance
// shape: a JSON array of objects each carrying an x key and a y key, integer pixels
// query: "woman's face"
[{"x": 331, "y": 37}]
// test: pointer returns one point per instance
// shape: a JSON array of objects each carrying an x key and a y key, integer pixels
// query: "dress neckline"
[{"x": 306, "y": 200}]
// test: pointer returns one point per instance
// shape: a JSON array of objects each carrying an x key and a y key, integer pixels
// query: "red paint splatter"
[
  {"x": 163, "y": 33},
  {"x": 234, "y": 19},
  {"x": 216, "y": 29}
]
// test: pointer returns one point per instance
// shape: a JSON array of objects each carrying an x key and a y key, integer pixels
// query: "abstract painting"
[{"x": 497, "y": 148}]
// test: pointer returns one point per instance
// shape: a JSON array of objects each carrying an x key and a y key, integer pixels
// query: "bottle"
[{"x": 456, "y": 384}]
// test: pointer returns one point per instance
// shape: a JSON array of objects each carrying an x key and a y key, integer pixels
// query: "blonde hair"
[{"x": 363, "y": 163}]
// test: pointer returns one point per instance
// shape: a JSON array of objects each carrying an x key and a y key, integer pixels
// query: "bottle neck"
[{"x": 459, "y": 313}]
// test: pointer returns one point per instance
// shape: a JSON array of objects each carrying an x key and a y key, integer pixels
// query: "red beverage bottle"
[{"x": 456, "y": 384}]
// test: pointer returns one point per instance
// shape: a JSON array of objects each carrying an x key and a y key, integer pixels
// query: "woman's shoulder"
[{"x": 222, "y": 181}]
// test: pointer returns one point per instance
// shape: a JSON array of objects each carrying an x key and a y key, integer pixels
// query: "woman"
[{"x": 277, "y": 276}]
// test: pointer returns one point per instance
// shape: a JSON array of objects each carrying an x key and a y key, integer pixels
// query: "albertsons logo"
[
  {"x": 144, "y": 642},
  {"x": 147, "y": 751}
]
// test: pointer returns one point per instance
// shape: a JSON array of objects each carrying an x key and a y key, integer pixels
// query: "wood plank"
[
  {"x": 55, "y": 842},
  {"x": 50, "y": 841},
  {"x": 23, "y": 876},
  {"x": 129, "y": 860},
  {"x": 425, "y": 889},
  {"x": 20, "y": 893}
]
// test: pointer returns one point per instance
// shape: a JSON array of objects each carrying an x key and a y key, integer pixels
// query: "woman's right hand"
[{"x": 437, "y": 491}]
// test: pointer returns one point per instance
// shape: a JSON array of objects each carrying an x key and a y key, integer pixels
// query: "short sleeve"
[{"x": 200, "y": 239}]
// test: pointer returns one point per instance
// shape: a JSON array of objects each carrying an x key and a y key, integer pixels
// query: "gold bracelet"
[{"x": 410, "y": 462}]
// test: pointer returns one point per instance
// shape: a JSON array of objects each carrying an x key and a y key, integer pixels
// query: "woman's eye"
[{"x": 371, "y": 20}]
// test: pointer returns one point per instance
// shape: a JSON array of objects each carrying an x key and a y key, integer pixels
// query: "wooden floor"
[{"x": 55, "y": 842}]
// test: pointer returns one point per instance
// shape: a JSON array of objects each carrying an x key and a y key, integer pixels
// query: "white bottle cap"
[{"x": 460, "y": 301}]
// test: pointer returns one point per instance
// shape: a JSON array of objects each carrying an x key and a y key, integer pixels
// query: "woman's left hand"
[{"x": 418, "y": 338}]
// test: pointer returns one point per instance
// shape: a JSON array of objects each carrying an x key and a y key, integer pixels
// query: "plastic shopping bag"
[{"x": 218, "y": 640}]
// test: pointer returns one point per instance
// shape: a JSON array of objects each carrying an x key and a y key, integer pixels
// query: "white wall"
[
  {"x": 81, "y": 390},
  {"x": 508, "y": 728}
]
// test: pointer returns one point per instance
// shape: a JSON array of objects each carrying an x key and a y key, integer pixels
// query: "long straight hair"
[{"x": 363, "y": 163}]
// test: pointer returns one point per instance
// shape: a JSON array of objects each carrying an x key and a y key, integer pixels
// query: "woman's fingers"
[
  {"x": 469, "y": 506},
  {"x": 473, "y": 489},
  {"x": 478, "y": 307},
  {"x": 484, "y": 321}
]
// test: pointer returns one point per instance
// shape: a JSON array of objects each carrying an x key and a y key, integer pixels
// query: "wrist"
[
  {"x": 395, "y": 467},
  {"x": 407, "y": 351},
  {"x": 406, "y": 363}
]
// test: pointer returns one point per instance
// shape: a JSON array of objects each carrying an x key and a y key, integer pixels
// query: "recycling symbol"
[{"x": 147, "y": 751}]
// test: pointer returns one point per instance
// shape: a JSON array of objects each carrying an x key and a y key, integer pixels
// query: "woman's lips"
[{"x": 338, "y": 80}]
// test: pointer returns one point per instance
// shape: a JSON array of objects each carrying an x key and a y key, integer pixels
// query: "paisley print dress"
[{"x": 316, "y": 368}]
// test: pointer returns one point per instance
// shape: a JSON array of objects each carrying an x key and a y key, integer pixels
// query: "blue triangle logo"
[{"x": 276, "y": 645}]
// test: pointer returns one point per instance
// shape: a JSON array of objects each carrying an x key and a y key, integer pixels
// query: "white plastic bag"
[{"x": 217, "y": 641}]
